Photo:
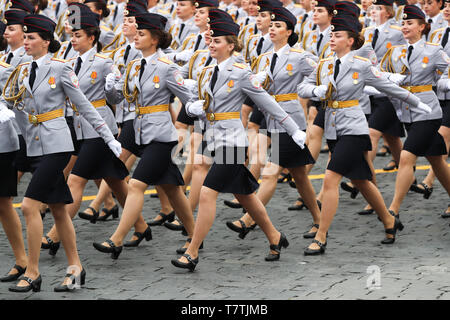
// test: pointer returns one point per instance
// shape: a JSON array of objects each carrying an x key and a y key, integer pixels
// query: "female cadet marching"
[
  {"x": 148, "y": 83},
  {"x": 419, "y": 62},
  {"x": 94, "y": 159},
  {"x": 40, "y": 88},
  {"x": 286, "y": 68},
  {"x": 225, "y": 90},
  {"x": 340, "y": 81}
]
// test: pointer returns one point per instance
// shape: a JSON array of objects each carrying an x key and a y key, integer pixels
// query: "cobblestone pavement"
[{"x": 417, "y": 266}]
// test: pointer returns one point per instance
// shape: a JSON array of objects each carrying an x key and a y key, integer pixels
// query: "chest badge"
[
  {"x": 156, "y": 81},
  {"x": 289, "y": 69},
  {"x": 51, "y": 82},
  {"x": 230, "y": 85},
  {"x": 93, "y": 77},
  {"x": 355, "y": 77},
  {"x": 330, "y": 69},
  {"x": 425, "y": 62}
]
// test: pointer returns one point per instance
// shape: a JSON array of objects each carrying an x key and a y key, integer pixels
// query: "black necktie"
[
  {"x": 143, "y": 63},
  {"x": 33, "y": 74},
  {"x": 410, "y": 49},
  {"x": 445, "y": 38},
  {"x": 259, "y": 47},
  {"x": 78, "y": 67},
  {"x": 375, "y": 38},
  {"x": 67, "y": 50},
  {"x": 197, "y": 44},
  {"x": 430, "y": 21},
  {"x": 246, "y": 21},
  {"x": 57, "y": 9},
  {"x": 273, "y": 63},
  {"x": 115, "y": 12},
  {"x": 319, "y": 42},
  {"x": 314, "y": 27},
  {"x": 336, "y": 68},
  {"x": 304, "y": 18},
  {"x": 214, "y": 77},
  {"x": 208, "y": 61},
  {"x": 10, "y": 56},
  {"x": 181, "y": 30},
  {"x": 127, "y": 52}
]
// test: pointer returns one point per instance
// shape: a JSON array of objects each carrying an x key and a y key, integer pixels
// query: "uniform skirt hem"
[
  {"x": 445, "y": 105},
  {"x": 127, "y": 138},
  {"x": 384, "y": 119},
  {"x": 424, "y": 139},
  {"x": 8, "y": 175},
  {"x": 289, "y": 154}
]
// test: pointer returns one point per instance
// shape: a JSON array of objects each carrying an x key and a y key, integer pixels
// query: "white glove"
[
  {"x": 190, "y": 84},
  {"x": 299, "y": 137},
  {"x": 370, "y": 91},
  {"x": 110, "y": 81},
  {"x": 6, "y": 114},
  {"x": 320, "y": 91},
  {"x": 183, "y": 56},
  {"x": 423, "y": 108},
  {"x": 448, "y": 85},
  {"x": 115, "y": 147},
  {"x": 261, "y": 76},
  {"x": 396, "y": 78},
  {"x": 195, "y": 108}
]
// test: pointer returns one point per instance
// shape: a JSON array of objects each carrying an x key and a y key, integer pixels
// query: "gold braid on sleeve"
[
  {"x": 206, "y": 97},
  {"x": 130, "y": 97},
  {"x": 12, "y": 83}
]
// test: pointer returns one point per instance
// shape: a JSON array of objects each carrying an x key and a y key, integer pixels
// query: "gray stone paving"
[{"x": 417, "y": 266}]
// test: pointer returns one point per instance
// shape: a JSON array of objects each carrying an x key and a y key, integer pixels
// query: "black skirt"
[
  {"x": 73, "y": 134},
  {"x": 257, "y": 116},
  {"x": 97, "y": 161},
  {"x": 228, "y": 174},
  {"x": 319, "y": 120},
  {"x": 127, "y": 138},
  {"x": 445, "y": 105},
  {"x": 424, "y": 139},
  {"x": 184, "y": 118},
  {"x": 384, "y": 119},
  {"x": 8, "y": 174},
  {"x": 156, "y": 166},
  {"x": 287, "y": 154},
  {"x": 22, "y": 162},
  {"x": 347, "y": 156},
  {"x": 48, "y": 184}
]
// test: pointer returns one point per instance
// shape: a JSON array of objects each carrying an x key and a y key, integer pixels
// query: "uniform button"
[
  {"x": 139, "y": 117},
  {"x": 37, "y": 138},
  {"x": 334, "y": 112},
  {"x": 407, "y": 108},
  {"x": 33, "y": 111},
  {"x": 139, "y": 129},
  {"x": 79, "y": 126},
  {"x": 332, "y": 124}
]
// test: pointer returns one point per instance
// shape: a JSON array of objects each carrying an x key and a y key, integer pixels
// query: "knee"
[
  {"x": 135, "y": 187},
  {"x": 406, "y": 161},
  {"x": 75, "y": 182},
  {"x": 28, "y": 208}
]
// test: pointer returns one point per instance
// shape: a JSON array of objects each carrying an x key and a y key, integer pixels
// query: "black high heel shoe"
[
  {"x": 183, "y": 250},
  {"x": 243, "y": 230},
  {"x": 283, "y": 243},
  {"x": 147, "y": 234},
  {"x": 190, "y": 265},
  {"x": 231, "y": 204},
  {"x": 34, "y": 285},
  {"x": 353, "y": 191},
  {"x": 397, "y": 226},
  {"x": 113, "y": 249},
  {"x": 14, "y": 277},
  {"x": 51, "y": 245},
  {"x": 314, "y": 252},
  {"x": 311, "y": 235},
  {"x": 426, "y": 190},
  {"x": 77, "y": 281},
  {"x": 298, "y": 206},
  {"x": 285, "y": 177},
  {"x": 164, "y": 217},
  {"x": 384, "y": 153},
  {"x": 91, "y": 217},
  {"x": 43, "y": 213},
  {"x": 446, "y": 214},
  {"x": 391, "y": 165},
  {"x": 114, "y": 212}
]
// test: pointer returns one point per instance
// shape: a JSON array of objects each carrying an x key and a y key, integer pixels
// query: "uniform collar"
[
  {"x": 40, "y": 60},
  {"x": 435, "y": 18},
  {"x": 223, "y": 64},
  {"x": 381, "y": 27},
  {"x": 151, "y": 57},
  {"x": 86, "y": 55},
  {"x": 15, "y": 52},
  {"x": 344, "y": 58},
  {"x": 282, "y": 50},
  {"x": 326, "y": 31},
  {"x": 415, "y": 45}
]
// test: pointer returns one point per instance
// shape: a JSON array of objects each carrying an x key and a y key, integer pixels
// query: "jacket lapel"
[
  {"x": 42, "y": 71},
  {"x": 282, "y": 59},
  {"x": 149, "y": 69},
  {"x": 223, "y": 75},
  {"x": 86, "y": 65},
  {"x": 417, "y": 51},
  {"x": 345, "y": 67}
]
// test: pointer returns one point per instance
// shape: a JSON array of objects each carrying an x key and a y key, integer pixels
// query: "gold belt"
[
  {"x": 96, "y": 104},
  {"x": 415, "y": 89},
  {"x": 342, "y": 104},
  {"x": 223, "y": 116},
  {"x": 285, "y": 97},
  {"x": 39, "y": 118},
  {"x": 151, "y": 109}
]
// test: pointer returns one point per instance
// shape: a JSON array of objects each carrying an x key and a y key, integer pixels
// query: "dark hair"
[
  {"x": 39, "y": 4},
  {"x": 100, "y": 5},
  {"x": 3, "y": 43},
  {"x": 427, "y": 28},
  {"x": 293, "y": 39},
  {"x": 358, "y": 40},
  {"x": 232, "y": 39},
  {"x": 94, "y": 31},
  {"x": 164, "y": 38},
  {"x": 54, "y": 44}
]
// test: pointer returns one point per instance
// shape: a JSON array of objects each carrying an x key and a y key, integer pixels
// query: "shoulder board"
[
  {"x": 440, "y": 29},
  {"x": 101, "y": 56},
  {"x": 327, "y": 59},
  {"x": 4, "y": 64},
  {"x": 105, "y": 28},
  {"x": 235, "y": 54},
  {"x": 298, "y": 5},
  {"x": 240, "y": 65},
  {"x": 64, "y": 43},
  {"x": 24, "y": 64},
  {"x": 297, "y": 50},
  {"x": 59, "y": 60},
  {"x": 163, "y": 11},
  {"x": 165, "y": 60},
  {"x": 265, "y": 54},
  {"x": 395, "y": 27},
  {"x": 210, "y": 66},
  {"x": 433, "y": 44},
  {"x": 71, "y": 59},
  {"x": 361, "y": 58}
]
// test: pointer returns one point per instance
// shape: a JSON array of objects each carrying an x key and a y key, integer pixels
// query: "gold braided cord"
[
  {"x": 207, "y": 98},
  {"x": 106, "y": 49},
  {"x": 130, "y": 97},
  {"x": 12, "y": 83}
]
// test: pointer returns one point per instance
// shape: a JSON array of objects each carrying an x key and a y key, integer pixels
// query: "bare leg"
[
  {"x": 245, "y": 112},
  {"x": 201, "y": 167},
  {"x": 405, "y": 177}
]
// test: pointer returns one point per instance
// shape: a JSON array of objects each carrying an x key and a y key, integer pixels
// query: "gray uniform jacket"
[
  {"x": 425, "y": 60},
  {"x": 55, "y": 80},
  {"x": 234, "y": 83},
  {"x": 9, "y": 140},
  {"x": 354, "y": 74},
  {"x": 160, "y": 79},
  {"x": 193, "y": 68},
  {"x": 389, "y": 35},
  {"x": 437, "y": 38},
  {"x": 91, "y": 78}
]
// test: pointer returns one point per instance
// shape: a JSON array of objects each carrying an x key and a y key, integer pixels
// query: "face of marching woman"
[
  {"x": 252, "y": 8},
  {"x": 207, "y": 36},
  {"x": 263, "y": 21},
  {"x": 412, "y": 30},
  {"x": 129, "y": 27},
  {"x": 366, "y": 4},
  {"x": 279, "y": 34},
  {"x": 244, "y": 5},
  {"x": 432, "y": 7},
  {"x": 144, "y": 42},
  {"x": 446, "y": 12},
  {"x": 321, "y": 17},
  {"x": 81, "y": 42},
  {"x": 340, "y": 43},
  {"x": 200, "y": 17},
  {"x": 185, "y": 10},
  {"x": 220, "y": 49},
  {"x": 35, "y": 46},
  {"x": 380, "y": 14},
  {"x": 14, "y": 36}
]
